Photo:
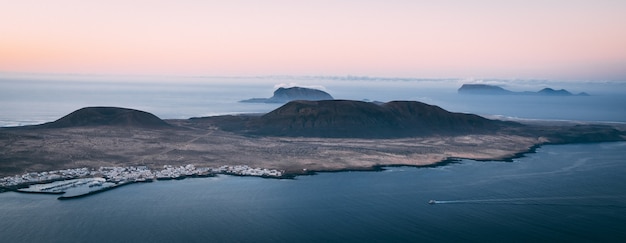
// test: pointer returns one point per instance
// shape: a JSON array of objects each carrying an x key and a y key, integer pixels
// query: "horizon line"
[{"x": 346, "y": 77}]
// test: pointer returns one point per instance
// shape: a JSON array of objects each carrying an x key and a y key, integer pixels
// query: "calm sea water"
[{"x": 564, "y": 193}]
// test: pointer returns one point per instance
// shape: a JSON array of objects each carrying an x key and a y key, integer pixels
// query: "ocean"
[{"x": 564, "y": 193}]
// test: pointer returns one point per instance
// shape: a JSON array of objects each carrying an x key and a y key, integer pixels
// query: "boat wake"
[{"x": 533, "y": 200}]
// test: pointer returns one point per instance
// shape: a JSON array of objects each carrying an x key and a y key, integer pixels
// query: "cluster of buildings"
[
  {"x": 171, "y": 172},
  {"x": 38, "y": 177},
  {"x": 135, "y": 174},
  {"x": 248, "y": 171}
]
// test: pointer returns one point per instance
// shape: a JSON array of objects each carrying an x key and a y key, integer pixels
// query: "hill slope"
[
  {"x": 107, "y": 116},
  {"x": 346, "y": 118}
]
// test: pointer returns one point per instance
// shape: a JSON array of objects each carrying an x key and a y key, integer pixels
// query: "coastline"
[{"x": 445, "y": 162}]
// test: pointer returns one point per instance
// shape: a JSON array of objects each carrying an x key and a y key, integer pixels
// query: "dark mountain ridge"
[
  {"x": 283, "y": 95},
  {"x": 107, "y": 116},
  {"x": 358, "y": 119}
]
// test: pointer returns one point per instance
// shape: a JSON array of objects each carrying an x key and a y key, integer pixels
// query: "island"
[
  {"x": 121, "y": 145},
  {"x": 284, "y": 95},
  {"x": 486, "y": 89}
]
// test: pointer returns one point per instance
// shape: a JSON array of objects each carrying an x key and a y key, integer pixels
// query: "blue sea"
[{"x": 561, "y": 193}]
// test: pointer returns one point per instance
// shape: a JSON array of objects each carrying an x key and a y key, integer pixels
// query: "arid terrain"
[{"x": 49, "y": 149}]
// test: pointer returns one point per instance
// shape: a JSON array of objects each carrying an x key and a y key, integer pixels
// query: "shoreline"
[{"x": 445, "y": 162}]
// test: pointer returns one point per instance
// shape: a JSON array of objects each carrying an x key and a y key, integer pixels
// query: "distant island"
[
  {"x": 121, "y": 145},
  {"x": 486, "y": 89},
  {"x": 284, "y": 95}
]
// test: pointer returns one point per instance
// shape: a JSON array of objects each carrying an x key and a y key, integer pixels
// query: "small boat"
[{"x": 432, "y": 202}]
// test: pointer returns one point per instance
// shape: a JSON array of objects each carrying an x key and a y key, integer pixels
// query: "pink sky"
[{"x": 565, "y": 39}]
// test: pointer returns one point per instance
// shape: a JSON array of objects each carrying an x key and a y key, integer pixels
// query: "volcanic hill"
[
  {"x": 358, "y": 119},
  {"x": 107, "y": 116}
]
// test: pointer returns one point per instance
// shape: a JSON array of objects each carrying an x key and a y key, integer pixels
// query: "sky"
[{"x": 554, "y": 39}]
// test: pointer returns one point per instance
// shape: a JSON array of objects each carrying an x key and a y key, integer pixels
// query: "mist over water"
[{"x": 35, "y": 100}]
